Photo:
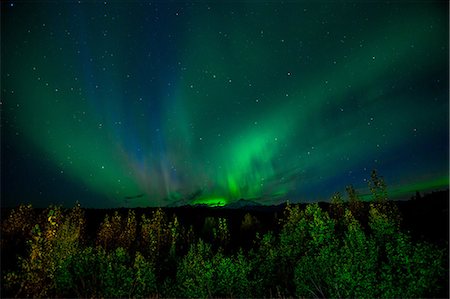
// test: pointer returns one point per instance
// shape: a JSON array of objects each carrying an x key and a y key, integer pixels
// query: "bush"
[
  {"x": 202, "y": 274},
  {"x": 406, "y": 269},
  {"x": 145, "y": 278},
  {"x": 195, "y": 272},
  {"x": 94, "y": 272},
  {"x": 356, "y": 263},
  {"x": 232, "y": 276},
  {"x": 314, "y": 270},
  {"x": 79, "y": 275},
  {"x": 266, "y": 267}
]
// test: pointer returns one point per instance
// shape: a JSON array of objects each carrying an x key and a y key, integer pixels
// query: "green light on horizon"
[
  {"x": 432, "y": 184},
  {"x": 212, "y": 202}
]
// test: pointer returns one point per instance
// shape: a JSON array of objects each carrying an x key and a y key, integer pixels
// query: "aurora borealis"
[{"x": 191, "y": 102}]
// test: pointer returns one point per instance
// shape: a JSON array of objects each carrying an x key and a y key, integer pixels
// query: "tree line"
[{"x": 349, "y": 250}]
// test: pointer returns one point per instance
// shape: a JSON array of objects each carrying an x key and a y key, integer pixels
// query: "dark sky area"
[{"x": 154, "y": 103}]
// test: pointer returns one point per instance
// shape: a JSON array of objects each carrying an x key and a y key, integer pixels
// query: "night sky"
[{"x": 204, "y": 102}]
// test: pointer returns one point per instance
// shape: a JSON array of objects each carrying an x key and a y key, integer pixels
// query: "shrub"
[
  {"x": 405, "y": 269},
  {"x": 380, "y": 199},
  {"x": 145, "y": 279},
  {"x": 355, "y": 271},
  {"x": 79, "y": 275},
  {"x": 266, "y": 267},
  {"x": 202, "y": 274},
  {"x": 231, "y": 276},
  {"x": 97, "y": 273},
  {"x": 314, "y": 270},
  {"x": 195, "y": 272}
]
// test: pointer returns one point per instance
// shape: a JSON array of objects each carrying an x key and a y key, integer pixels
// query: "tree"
[
  {"x": 314, "y": 271},
  {"x": 175, "y": 232},
  {"x": 114, "y": 274},
  {"x": 204, "y": 274},
  {"x": 379, "y": 193},
  {"x": 48, "y": 249},
  {"x": 110, "y": 230},
  {"x": 377, "y": 187},
  {"x": 405, "y": 269},
  {"x": 155, "y": 235},
  {"x": 337, "y": 206},
  {"x": 116, "y": 232},
  {"x": 127, "y": 234},
  {"x": 266, "y": 267},
  {"x": 195, "y": 272},
  {"x": 231, "y": 275},
  {"x": 354, "y": 202},
  {"x": 250, "y": 223},
  {"x": 16, "y": 229},
  {"x": 356, "y": 264},
  {"x": 215, "y": 229}
]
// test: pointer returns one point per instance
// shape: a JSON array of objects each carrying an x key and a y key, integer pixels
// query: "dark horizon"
[{"x": 362, "y": 197}]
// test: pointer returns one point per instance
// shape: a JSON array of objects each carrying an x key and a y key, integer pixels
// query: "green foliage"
[
  {"x": 161, "y": 243},
  {"x": 116, "y": 275},
  {"x": 195, "y": 272},
  {"x": 231, "y": 276},
  {"x": 356, "y": 263},
  {"x": 379, "y": 193},
  {"x": 293, "y": 234},
  {"x": 79, "y": 274},
  {"x": 202, "y": 274},
  {"x": 314, "y": 266},
  {"x": 267, "y": 270},
  {"x": 145, "y": 278},
  {"x": 406, "y": 269},
  {"x": 383, "y": 263},
  {"x": 304, "y": 234},
  {"x": 95, "y": 272},
  {"x": 313, "y": 255}
]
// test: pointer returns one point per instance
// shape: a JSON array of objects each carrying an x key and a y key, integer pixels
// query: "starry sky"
[{"x": 155, "y": 104}]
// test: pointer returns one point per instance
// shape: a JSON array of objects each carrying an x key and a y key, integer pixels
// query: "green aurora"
[{"x": 265, "y": 101}]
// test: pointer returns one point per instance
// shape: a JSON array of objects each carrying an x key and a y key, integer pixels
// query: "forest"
[{"x": 345, "y": 248}]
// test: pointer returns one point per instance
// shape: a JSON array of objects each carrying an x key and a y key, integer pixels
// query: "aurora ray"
[{"x": 268, "y": 101}]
